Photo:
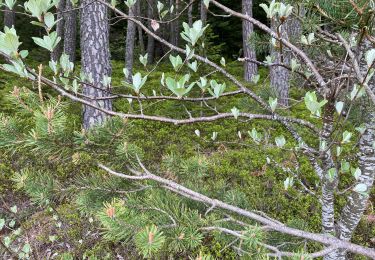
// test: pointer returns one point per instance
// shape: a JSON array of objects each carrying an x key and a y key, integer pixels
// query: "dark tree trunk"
[
  {"x": 9, "y": 17},
  {"x": 294, "y": 34},
  {"x": 150, "y": 39},
  {"x": 95, "y": 58},
  {"x": 140, "y": 31},
  {"x": 130, "y": 40},
  {"x": 190, "y": 13},
  {"x": 203, "y": 13},
  {"x": 70, "y": 31},
  {"x": 141, "y": 41},
  {"x": 55, "y": 55},
  {"x": 250, "y": 69},
  {"x": 175, "y": 24},
  {"x": 279, "y": 76}
]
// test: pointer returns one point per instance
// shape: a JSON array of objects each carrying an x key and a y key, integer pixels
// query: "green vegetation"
[
  {"x": 212, "y": 144},
  {"x": 229, "y": 168}
]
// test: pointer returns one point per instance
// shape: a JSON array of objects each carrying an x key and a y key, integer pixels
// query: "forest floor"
[{"x": 235, "y": 169}]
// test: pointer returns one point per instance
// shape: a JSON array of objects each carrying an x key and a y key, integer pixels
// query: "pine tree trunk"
[
  {"x": 250, "y": 68},
  {"x": 140, "y": 31},
  {"x": 294, "y": 34},
  {"x": 203, "y": 13},
  {"x": 279, "y": 76},
  {"x": 295, "y": 25},
  {"x": 175, "y": 26},
  {"x": 55, "y": 55},
  {"x": 130, "y": 41},
  {"x": 70, "y": 31},
  {"x": 95, "y": 58},
  {"x": 9, "y": 17},
  {"x": 150, "y": 39},
  {"x": 140, "y": 40},
  {"x": 190, "y": 13}
]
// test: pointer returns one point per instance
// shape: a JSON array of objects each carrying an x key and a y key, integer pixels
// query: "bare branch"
[{"x": 272, "y": 225}]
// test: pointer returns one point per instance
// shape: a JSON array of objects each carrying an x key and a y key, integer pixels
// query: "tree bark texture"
[
  {"x": 140, "y": 31},
  {"x": 250, "y": 69},
  {"x": 357, "y": 203},
  {"x": 203, "y": 13},
  {"x": 55, "y": 55},
  {"x": 175, "y": 24},
  {"x": 130, "y": 40},
  {"x": 279, "y": 76},
  {"x": 329, "y": 184},
  {"x": 95, "y": 58},
  {"x": 150, "y": 39},
  {"x": 190, "y": 13},
  {"x": 9, "y": 17},
  {"x": 70, "y": 31},
  {"x": 295, "y": 31}
]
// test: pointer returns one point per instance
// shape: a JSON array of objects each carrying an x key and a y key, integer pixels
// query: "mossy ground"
[{"x": 236, "y": 169}]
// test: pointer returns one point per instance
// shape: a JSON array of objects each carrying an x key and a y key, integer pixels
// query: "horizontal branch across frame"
[{"x": 271, "y": 224}]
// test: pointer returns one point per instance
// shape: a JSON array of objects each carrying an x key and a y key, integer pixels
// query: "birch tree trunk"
[
  {"x": 70, "y": 31},
  {"x": 9, "y": 17},
  {"x": 357, "y": 203},
  {"x": 150, "y": 39},
  {"x": 329, "y": 184},
  {"x": 95, "y": 58},
  {"x": 130, "y": 40},
  {"x": 55, "y": 55},
  {"x": 250, "y": 69},
  {"x": 279, "y": 76}
]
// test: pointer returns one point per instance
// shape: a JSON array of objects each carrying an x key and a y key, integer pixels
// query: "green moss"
[{"x": 235, "y": 169}]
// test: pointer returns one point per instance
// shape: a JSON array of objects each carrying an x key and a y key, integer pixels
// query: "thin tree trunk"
[
  {"x": 175, "y": 24},
  {"x": 129, "y": 48},
  {"x": 9, "y": 17},
  {"x": 294, "y": 33},
  {"x": 328, "y": 184},
  {"x": 140, "y": 40},
  {"x": 70, "y": 31},
  {"x": 150, "y": 39},
  {"x": 190, "y": 13},
  {"x": 140, "y": 32},
  {"x": 250, "y": 68},
  {"x": 95, "y": 58},
  {"x": 203, "y": 13},
  {"x": 55, "y": 55},
  {"x": 279, "y": 76},
  {"x": 357, "y": 203}
]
